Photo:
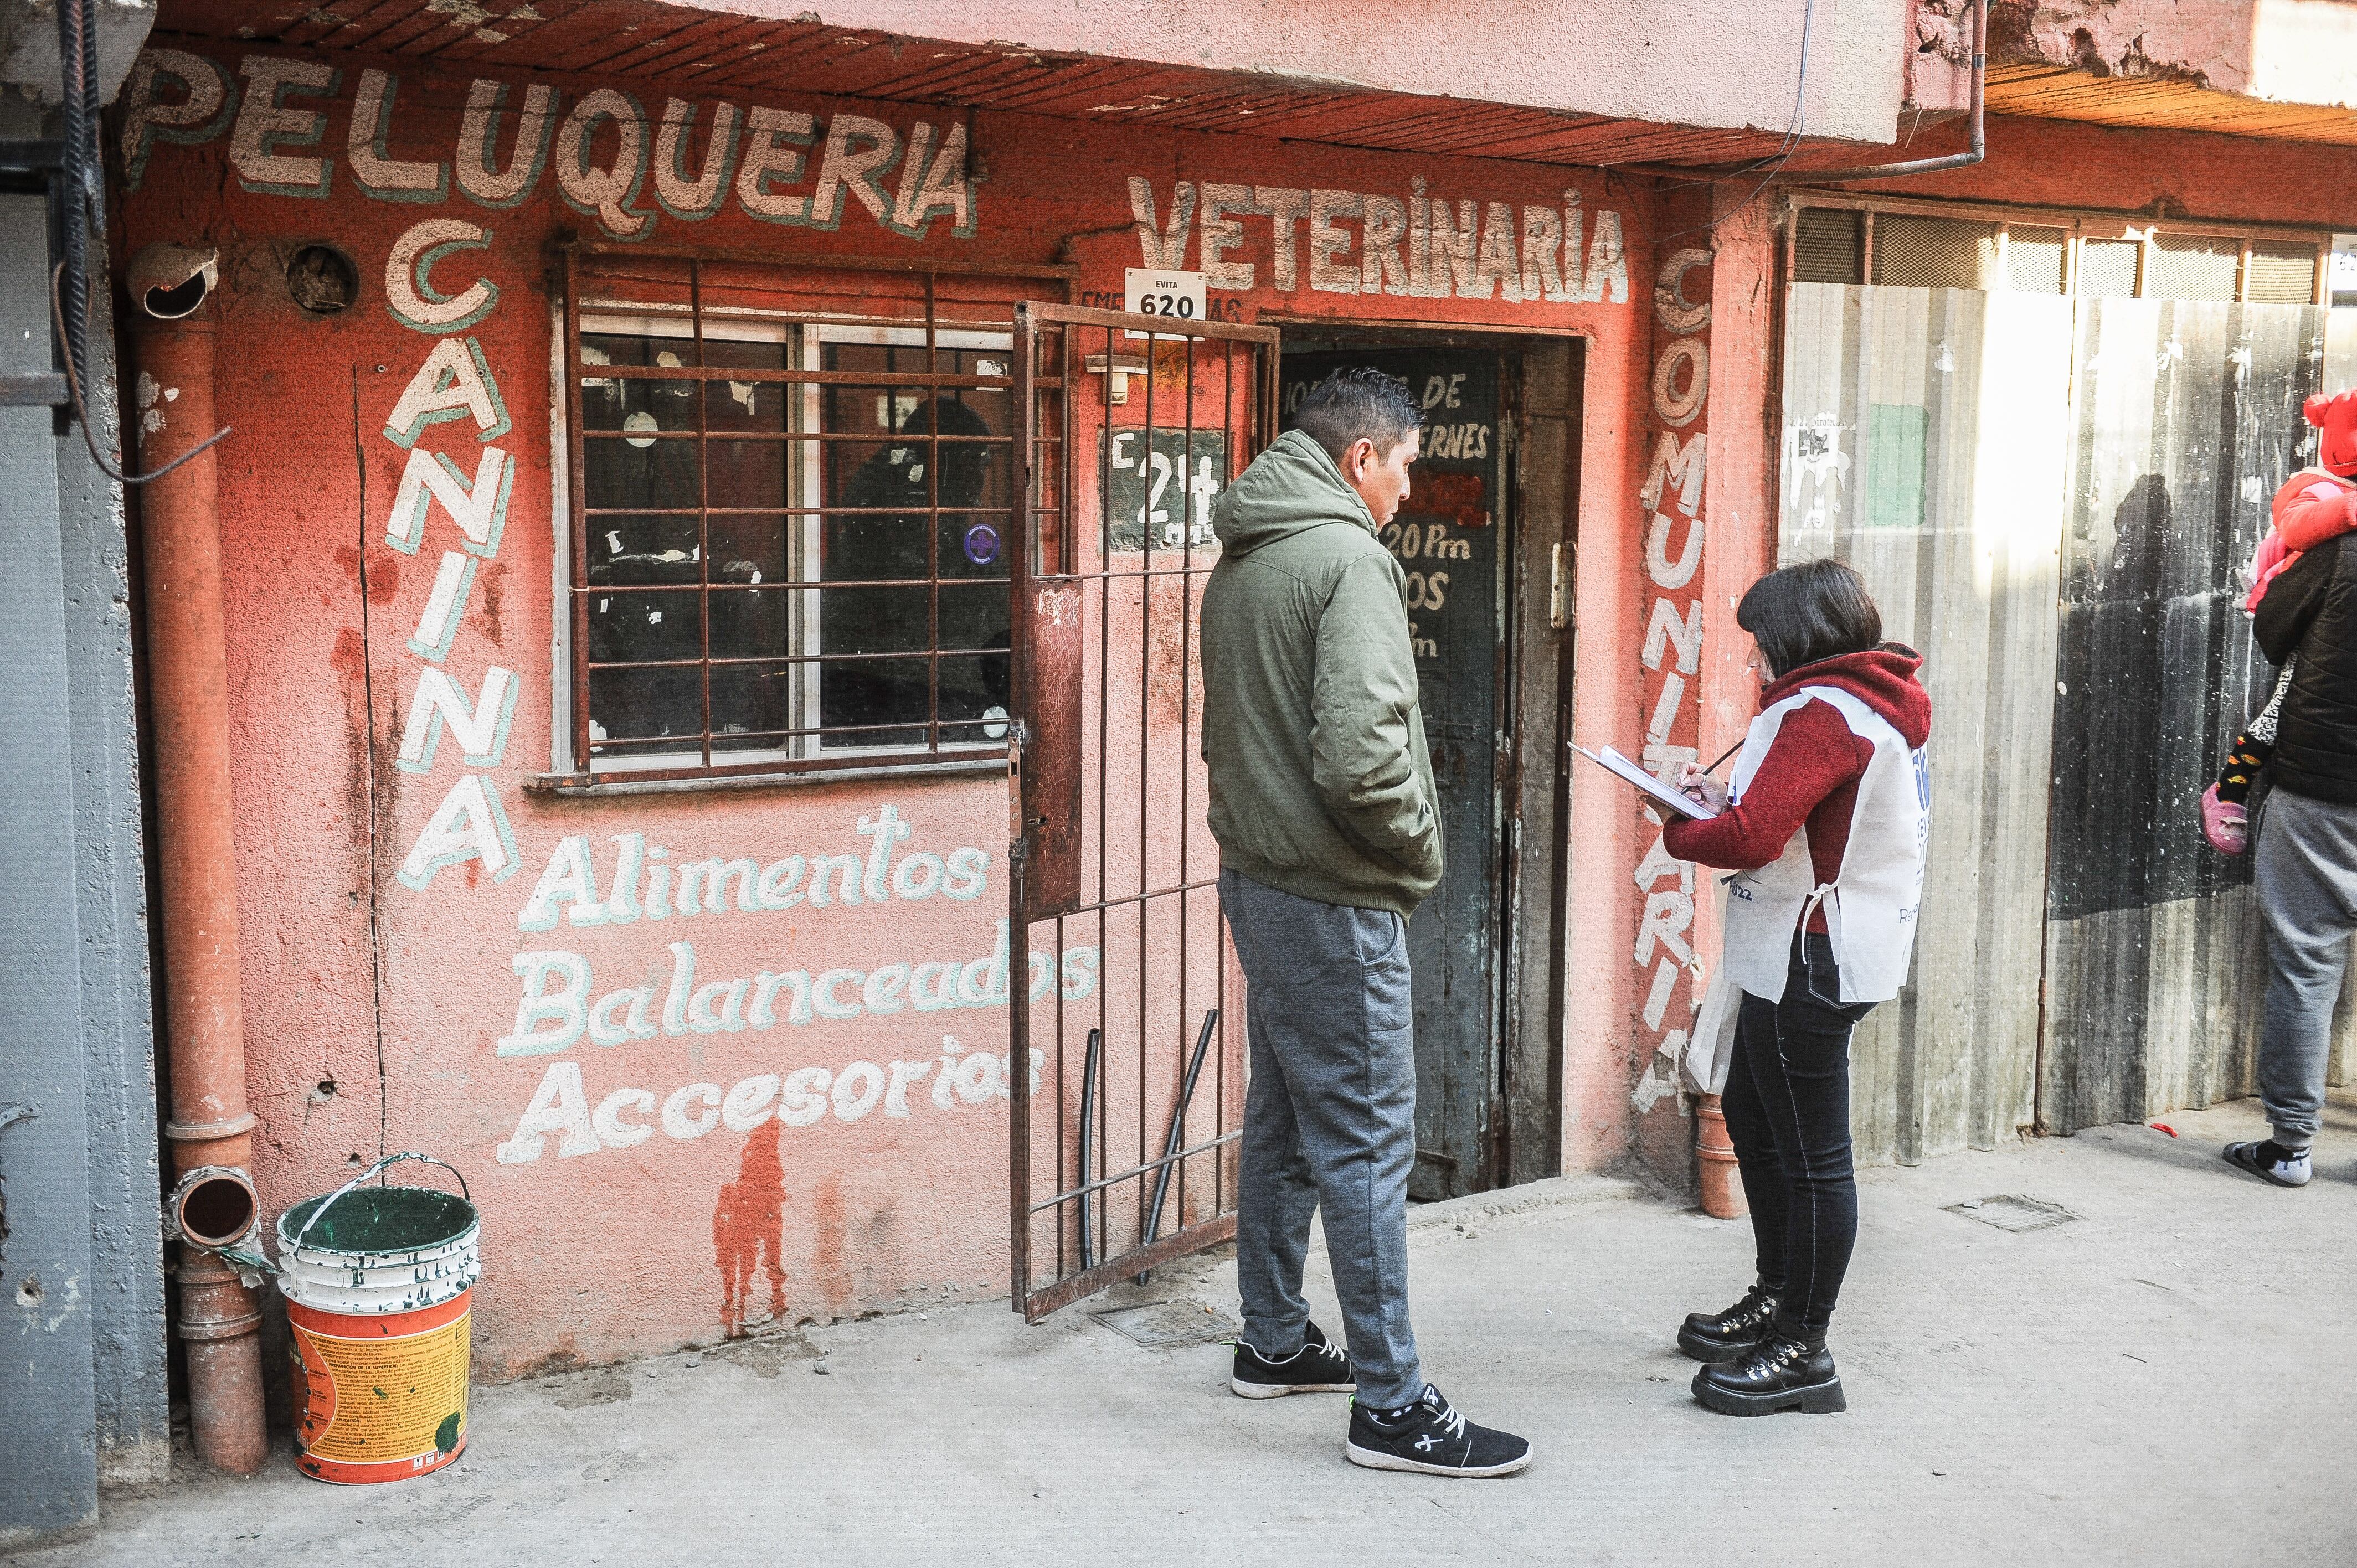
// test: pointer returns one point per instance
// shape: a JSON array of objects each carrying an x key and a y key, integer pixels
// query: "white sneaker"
[{"x": 2271, "y": 1162}]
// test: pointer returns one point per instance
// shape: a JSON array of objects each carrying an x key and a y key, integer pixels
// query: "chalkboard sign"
[{"x": 1163, "y": 494}]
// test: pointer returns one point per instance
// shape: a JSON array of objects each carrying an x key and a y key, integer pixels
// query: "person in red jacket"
[
  {"x": 2314, "y": 505},
  {"x": 1825, "y": 826}
]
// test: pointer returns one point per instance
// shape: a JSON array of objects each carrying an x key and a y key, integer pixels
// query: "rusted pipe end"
[
  {"x": 214, "y": 1205},
  {"x": 168, "y": 283}
]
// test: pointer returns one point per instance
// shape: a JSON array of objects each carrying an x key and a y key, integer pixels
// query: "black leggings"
[{"x": 1787, "y": 1108}]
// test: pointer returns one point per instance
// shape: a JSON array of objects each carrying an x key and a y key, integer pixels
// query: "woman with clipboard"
[{"x": 1822, "y": 823}]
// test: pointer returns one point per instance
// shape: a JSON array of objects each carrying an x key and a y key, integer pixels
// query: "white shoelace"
[{"x": 1452, "y": 1424}]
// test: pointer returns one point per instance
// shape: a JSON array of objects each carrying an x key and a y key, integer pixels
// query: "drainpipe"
[
  {"x": 1977, "y": 151},
  {"x": 211, "y": 1132}
]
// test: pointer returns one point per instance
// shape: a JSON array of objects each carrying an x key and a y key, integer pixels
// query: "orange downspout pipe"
[{"x": 209, "y": 1130}]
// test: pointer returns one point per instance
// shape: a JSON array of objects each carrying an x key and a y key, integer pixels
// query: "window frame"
[
  {"x": 575, "y": 767},
  {"x": 2078, "y": 224},
  {"x": 811, "y": 347}
]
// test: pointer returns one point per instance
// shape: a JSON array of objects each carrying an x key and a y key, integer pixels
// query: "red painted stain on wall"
[
  {"x": 833, "y": 1277},
  {"x": 748, "y": 1230},
  {"x": 491, "y": 583}
]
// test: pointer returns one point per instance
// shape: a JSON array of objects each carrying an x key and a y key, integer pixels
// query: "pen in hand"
[{"x": 1697, "y": 785}]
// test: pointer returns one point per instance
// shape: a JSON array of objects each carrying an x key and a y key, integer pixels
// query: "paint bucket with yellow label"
[{"x": 379, "y": 1283}]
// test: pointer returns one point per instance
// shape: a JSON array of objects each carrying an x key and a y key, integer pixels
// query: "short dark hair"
[
  {"x": 1817, "y": 610},
  {"x": 1360, "y": 403}
]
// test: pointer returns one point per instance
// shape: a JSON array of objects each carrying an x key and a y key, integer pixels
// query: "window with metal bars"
[{"x": 791, "y": 488}]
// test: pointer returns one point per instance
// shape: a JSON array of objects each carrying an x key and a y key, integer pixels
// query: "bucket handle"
[{"x": 321, "y": 1211}]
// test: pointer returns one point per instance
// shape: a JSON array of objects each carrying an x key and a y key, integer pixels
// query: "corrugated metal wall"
[
  {"x": 2184, "y": 419},
  {"x": 2050, "y": 498},
  {"x": 1923, "y": 444}
]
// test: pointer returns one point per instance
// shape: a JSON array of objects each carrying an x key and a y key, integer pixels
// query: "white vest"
[{"x": 1870, "y": 904}]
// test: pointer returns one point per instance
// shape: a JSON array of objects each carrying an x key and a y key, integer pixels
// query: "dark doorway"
[{"x": 1452, "y": 538}]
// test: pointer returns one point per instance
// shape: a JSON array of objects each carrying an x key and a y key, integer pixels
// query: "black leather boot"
[
  {"x": 1785, "y": 1373},
  {"x": 1719, "y": 1337}
]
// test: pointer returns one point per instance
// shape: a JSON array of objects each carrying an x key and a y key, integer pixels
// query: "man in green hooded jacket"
[{"x": 1322, "y": 801}]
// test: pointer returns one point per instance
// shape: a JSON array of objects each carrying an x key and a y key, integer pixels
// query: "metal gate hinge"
[{"x": 16, "y": 1111}]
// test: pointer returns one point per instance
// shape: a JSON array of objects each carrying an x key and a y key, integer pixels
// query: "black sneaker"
[
  {"x": 2271, "y": 1161},
  {"x": 1431, "y": 1437},
  {"x": 1317, "y": 1368},
  {"x": 1784, "y": 1373},
  {"x": 1729, "y": 1336}
]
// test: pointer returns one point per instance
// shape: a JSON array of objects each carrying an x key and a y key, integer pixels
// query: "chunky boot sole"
[
  {"x": 1815, "y": 1399},
  {"x": 1376, "y": 1459},
  {"x": 1279, "y": 1391},
  {"x": 1713, "y": 1352}
]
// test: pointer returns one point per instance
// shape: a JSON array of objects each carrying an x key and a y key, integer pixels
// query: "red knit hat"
[{"x": 2335, "y": 419}]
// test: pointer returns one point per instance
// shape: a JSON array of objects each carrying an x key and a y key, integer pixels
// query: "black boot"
[
  {"x": 1729, "y": 1336},
  {"x": 1785, "y": 1373}
]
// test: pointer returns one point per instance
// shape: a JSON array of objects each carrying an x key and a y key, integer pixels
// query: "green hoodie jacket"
[{"x": 1321, "y": 785}]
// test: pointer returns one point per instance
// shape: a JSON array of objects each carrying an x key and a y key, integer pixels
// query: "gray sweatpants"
[
  {"x": 2308, "y": 896},
  {"x": 1329, "y": 1125}
]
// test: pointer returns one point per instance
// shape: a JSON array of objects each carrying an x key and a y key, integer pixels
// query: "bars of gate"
[{"x": 1124, "y": 1126}]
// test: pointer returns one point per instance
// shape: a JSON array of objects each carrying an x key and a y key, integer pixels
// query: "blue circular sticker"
[{"x": 982, "y": 545}]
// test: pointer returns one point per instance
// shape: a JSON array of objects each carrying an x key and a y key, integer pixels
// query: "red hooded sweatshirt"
[{"x": 1810, "y": 776}]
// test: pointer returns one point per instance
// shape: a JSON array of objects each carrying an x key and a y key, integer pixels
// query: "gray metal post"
[{"x": 81, "y": 1324}]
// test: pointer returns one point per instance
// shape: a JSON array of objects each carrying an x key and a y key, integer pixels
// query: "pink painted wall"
[
  {"x": 380, "y": 985},
  {"x": 1639, "y": 59}
]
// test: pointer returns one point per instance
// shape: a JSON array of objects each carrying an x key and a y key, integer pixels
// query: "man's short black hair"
[
  {"x": 1360, "y": 403},
  {"x": 1817, "y": 610}
]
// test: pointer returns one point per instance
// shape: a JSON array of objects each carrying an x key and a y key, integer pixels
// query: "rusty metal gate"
[{"x": 1124, "y": 994}]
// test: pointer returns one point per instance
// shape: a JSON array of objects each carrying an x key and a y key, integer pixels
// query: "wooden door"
[{"x": 1448, "y": 540}]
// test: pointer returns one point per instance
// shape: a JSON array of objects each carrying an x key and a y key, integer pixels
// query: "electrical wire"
[
  {"x": 82, "y": 409},
  {"x": 1773, "y": 162},
  {"x": 83, "y": 220}
]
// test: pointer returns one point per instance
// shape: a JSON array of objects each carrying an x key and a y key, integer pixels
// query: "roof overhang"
[
  {"x": 688, "y": 50},
  {"x": 2160, "y": 101}
]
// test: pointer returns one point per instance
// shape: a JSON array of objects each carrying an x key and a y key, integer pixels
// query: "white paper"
[{"x": 1613, "y": 762}]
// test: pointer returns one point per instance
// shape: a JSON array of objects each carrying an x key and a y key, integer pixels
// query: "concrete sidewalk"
[{"x": 2170, "y": 1376}]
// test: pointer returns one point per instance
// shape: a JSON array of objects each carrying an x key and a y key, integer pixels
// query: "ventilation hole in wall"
[
  {"x": 322, "y": 279},
  {"x": 2108, "y": 268},
  {"x": 2033, "y": 259},
  {"x": 1933, "y": 253},
  {"x": 2283, "y": 272},
  {"x": 1827, "y": 246},
  {"x": 2193, "y": 266}
]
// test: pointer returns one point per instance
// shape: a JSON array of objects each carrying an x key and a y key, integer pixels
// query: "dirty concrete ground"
[{"x": 2170, "y": 1377}]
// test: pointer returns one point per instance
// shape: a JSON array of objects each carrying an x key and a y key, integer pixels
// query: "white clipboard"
[{"x": 1611, "y": 761}]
